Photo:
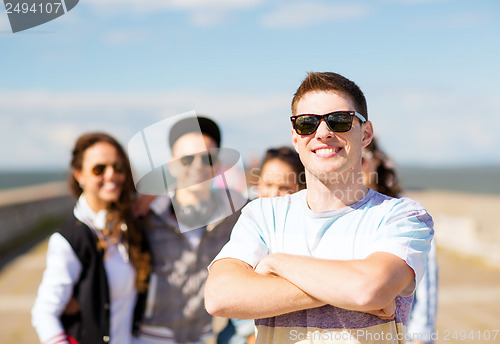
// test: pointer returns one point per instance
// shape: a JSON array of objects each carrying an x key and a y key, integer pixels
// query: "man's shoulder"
[
  {"x": 277, "y": 202},
  {"x": 378, "y": 199},
  {"x": 393, "y": 209}
]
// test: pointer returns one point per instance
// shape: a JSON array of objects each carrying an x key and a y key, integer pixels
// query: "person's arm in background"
[
  {"x": 61, "y": 273},
  {"x": 422, "y": 324}
]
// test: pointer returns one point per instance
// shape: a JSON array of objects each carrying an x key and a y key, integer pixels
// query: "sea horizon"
[{"x": 481, "y": 179}]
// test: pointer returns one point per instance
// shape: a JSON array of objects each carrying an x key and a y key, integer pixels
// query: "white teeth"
[
  {"x": 323, "y": 151},
  {"x": 110, "y": 186}
]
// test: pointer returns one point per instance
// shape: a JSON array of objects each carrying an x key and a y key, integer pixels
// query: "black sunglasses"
[
  {"x": 338, "y": 121},
  {"x": 206, "y": 159},
  {"x": 100, "y": 169}
]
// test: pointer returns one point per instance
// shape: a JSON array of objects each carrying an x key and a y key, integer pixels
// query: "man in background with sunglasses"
[
  {"x": 336, "y": 262},
  {"x": 185, "y": 232}
]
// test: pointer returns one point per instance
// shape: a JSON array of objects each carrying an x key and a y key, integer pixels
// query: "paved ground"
[
  {"x": 19, "y": 281},
  {"x": 469, "y": 298}
]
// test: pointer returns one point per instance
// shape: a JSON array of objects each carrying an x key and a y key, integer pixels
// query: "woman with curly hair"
[
  {"x": 97, "y": 263},
  {"x": 379, "y": 172}
]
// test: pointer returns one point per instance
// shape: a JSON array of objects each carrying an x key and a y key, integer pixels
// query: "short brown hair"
[{"x": 331, "y": 82}]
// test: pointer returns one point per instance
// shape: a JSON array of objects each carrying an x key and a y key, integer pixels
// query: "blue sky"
[{"x": 430, "y": 70}]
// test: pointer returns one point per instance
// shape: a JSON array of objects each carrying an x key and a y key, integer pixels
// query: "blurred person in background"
[
  {"x": 186, "y": 228},
  {"x": 98, "y": 261},
  {"x": 281, "y": 173},
  {"x": 379, "y": 174}
]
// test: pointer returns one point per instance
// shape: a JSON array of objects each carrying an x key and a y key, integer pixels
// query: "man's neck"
[
  {"x": 324, "y": 196},
  {"x": 186, "y": 197}
]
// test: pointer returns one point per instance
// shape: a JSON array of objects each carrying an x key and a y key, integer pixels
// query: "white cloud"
[
  {"x": 212, "y": 4},
  {"x": 147, "y": 6},
  {"x": 415, "y": 126},
  {"x": 207, "y": 18},
  {"x": 201, "y": 13},
  {"x": 417, "y": 2},
  {"x": 125, "y": 36},
  {"x": 452, "y": 21},
  {"x": 436, "y": 127},
  {"x": 302, "y": 14},
  {"x": 39, "y": 128}
]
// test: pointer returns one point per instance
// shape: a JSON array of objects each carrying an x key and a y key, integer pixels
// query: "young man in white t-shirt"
[{"x": 336, "y": 262}]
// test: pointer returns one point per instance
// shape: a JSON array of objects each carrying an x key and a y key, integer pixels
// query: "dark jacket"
[
  {"x": 91, "y": 324},
  {"x": 179, "y": 275}
]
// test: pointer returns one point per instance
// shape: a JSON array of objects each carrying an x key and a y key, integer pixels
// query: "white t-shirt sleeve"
[
  {"x": 61, "y": 274},
  {"x": 406, "y": 232},
  {"x": 248, "y": 238}
]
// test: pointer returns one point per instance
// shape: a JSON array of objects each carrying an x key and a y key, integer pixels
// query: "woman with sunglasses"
[{"x": 98, "y": 261}]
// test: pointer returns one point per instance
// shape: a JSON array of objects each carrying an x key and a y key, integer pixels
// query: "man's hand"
[
  {"x": 385, "y": 313},
  {"x": 266, "y": 267},
  {"x": 72, "y": 308}
]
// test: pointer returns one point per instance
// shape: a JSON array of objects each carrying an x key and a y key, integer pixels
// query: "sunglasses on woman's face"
[
  {"x": 338, "y": 121},
  {"x": 206, "y": 159},
  {"x": 100, "y": 169}
]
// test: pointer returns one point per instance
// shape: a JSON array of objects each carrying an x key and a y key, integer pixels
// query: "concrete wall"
[{"x": 25, "y": 211}]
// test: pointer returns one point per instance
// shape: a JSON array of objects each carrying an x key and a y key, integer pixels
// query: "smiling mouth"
[
  {"x": 110, "y": 186},
  {"x": 327, "y": 152}
]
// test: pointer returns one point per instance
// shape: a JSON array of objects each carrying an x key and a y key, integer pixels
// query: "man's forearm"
[
  {"x": 361, "y": 285},
  {"x": 235, "y": 290}
]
